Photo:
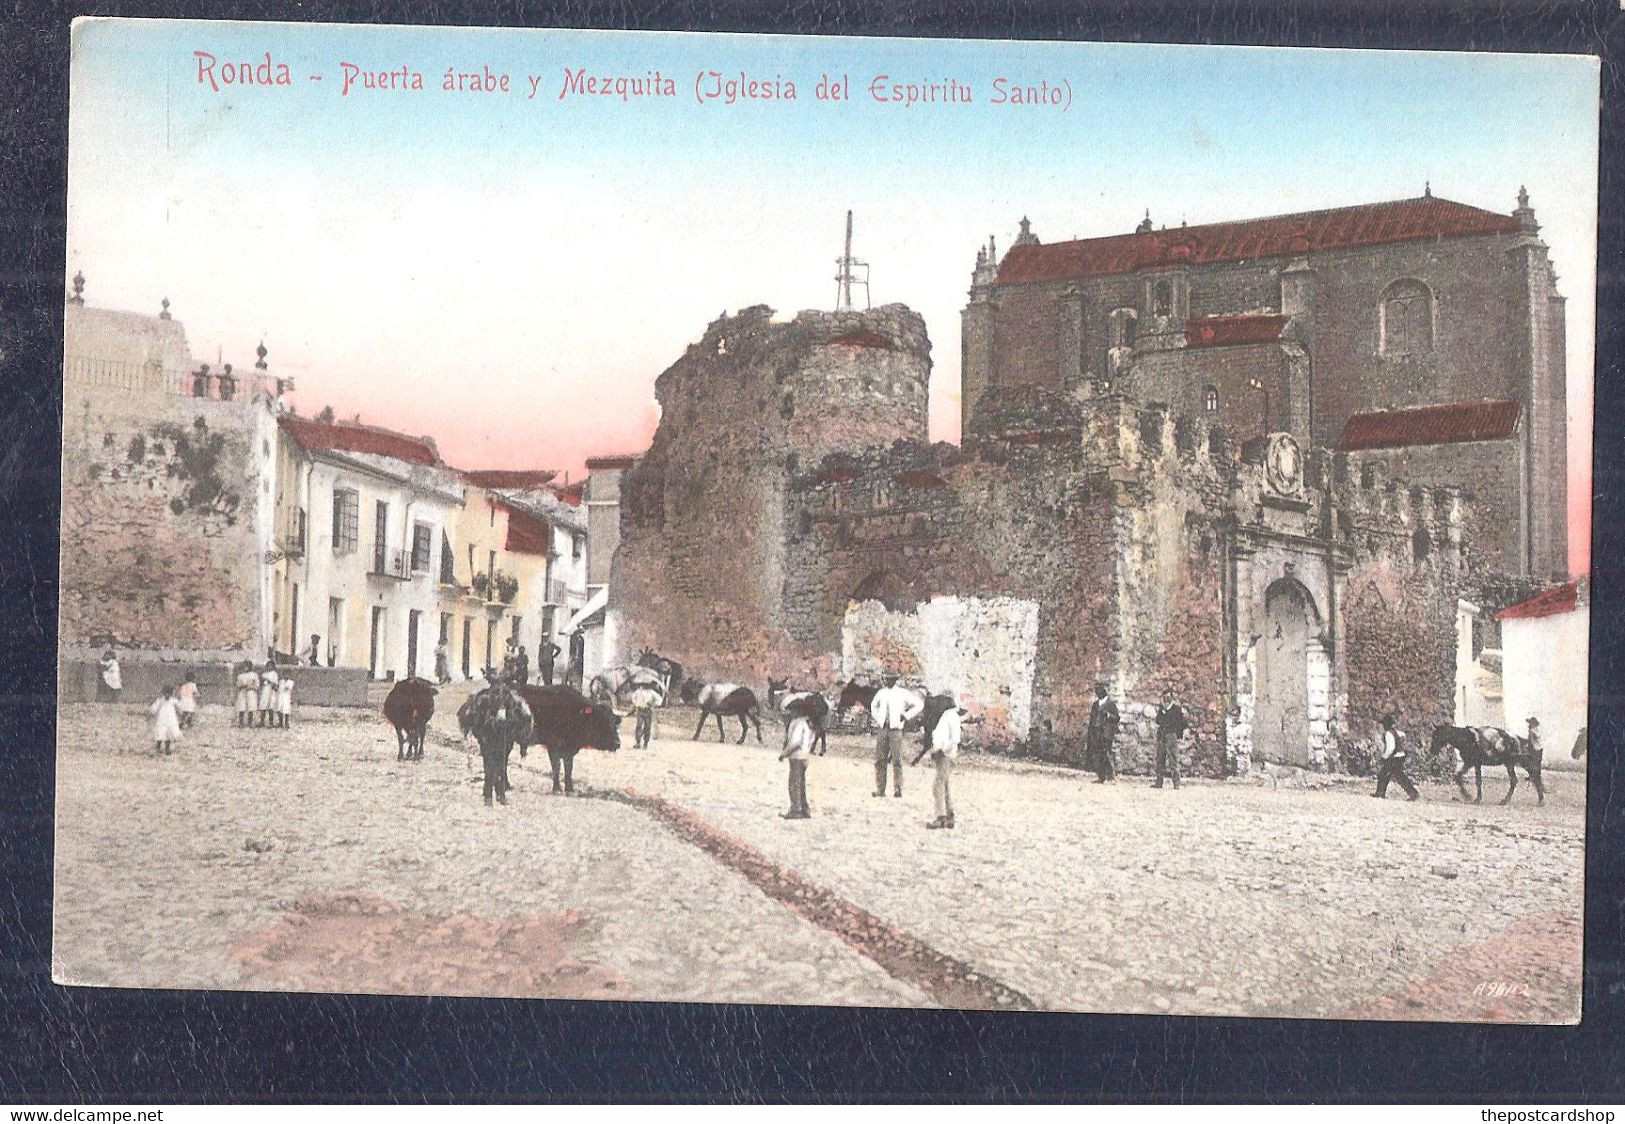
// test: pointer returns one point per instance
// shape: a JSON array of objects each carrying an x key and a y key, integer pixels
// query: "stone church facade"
[{"x": 1306, "y": 324}]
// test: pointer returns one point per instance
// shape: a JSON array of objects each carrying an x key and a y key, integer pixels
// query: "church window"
[
  {"x": 1210, "y": 400},
  {"x": 1123, "y": 325},
  {"x": 1406, "y": 319},
  {"x": 1162, "y": 298}
]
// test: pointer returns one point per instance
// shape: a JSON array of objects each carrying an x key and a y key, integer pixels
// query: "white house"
[
  {"x": 361, "y": 520},
  {"x": 1545, "y": 654}
]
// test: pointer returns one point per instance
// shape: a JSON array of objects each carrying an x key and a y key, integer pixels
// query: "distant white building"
[{"x": 1545, "y": 652}]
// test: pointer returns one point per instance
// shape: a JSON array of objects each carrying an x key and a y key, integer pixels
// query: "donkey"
[
  {"x": 609, "y": 685},
  {"x": 724, "y": 700},
  {"x": 810, "y": 705},
  {"x": 856, "y": 694},
  {"x": 1479, "y": 746},
  {"x": 669, "y": 670}
]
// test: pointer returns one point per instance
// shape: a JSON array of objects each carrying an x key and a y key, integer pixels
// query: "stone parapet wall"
[{"x": 313, "y": 686}]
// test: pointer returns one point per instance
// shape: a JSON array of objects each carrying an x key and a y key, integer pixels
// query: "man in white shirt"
[
  {"x": 798, "y": 743},
  {"x": 944, "y": 751},
  {"x": 1393, "y": 761},
  {"x": 891, "y": 710}
]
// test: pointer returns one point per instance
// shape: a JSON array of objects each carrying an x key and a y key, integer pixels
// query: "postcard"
[{"x": 781, "y": 519}]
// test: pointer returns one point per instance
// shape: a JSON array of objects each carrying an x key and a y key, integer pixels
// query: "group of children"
[{"x": 264, "y": 694}]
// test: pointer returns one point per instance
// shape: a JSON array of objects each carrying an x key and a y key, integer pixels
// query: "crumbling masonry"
[{"x": 792, "y": 519}]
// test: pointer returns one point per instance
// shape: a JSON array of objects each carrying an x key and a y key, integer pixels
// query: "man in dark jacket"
[
  {"x": 1171, "y": 727},
  {"x": 547, "y": 653},
  {"x": 1098, "y": 742}
]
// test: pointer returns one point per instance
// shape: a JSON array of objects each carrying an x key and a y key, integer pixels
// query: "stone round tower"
[{"x": 699, "y": 574}]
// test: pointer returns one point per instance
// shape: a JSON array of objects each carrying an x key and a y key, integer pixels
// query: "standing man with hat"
[
  {"x": 891, "y": 710},
  {"x": 1102, "y": 734},
  {"x": 1393, "y": 760}
]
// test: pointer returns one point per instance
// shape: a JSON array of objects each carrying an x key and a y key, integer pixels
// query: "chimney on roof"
[
  {"x": 1145, "y": 223},
  {"x": 1427, "y": 189},
  {"x": 1026, "y": 237}
]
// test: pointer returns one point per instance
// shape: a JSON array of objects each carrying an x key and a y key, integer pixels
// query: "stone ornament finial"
[
  {"x": 1427, "y": 189},
  {"x": 1523, "y": 198},
  {"x": 163, "y": 311},
  {"x": 260, "y": 351},
  {"x": 1145, "y": 223},
  {"x": 78, "y": 296}
]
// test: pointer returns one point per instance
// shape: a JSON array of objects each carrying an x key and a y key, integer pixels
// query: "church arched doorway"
[{"x": 1292, "y": 672}]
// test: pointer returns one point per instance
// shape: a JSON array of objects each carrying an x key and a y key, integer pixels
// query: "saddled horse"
[
  {"x": 724, "y": 700},
  {"x": 613, "y": 684},
  {"x": 810, "y": 705},
  {"x": 1478, "y": 746},
  {"x": 669, "y": 670}
]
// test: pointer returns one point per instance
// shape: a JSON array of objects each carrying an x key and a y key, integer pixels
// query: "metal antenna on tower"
[{"x": 847, "y": 275}]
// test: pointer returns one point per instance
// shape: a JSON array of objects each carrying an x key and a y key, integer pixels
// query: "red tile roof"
[
  {"x": 1219, "y": 331},
  {"x": 348, "y": 437},
  {"x": 509, "y": 477},
  {"x": 526, "y": 533},
  {"x": 1431, "y": 425},
  {"x": 1367, "y": 225},
  {"x": 1547, "y": 603}
]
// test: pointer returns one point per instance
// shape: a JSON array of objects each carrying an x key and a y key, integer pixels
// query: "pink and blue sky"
[{"x": 509, "y": 274}]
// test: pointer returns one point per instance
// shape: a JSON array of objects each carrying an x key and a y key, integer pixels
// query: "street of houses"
[{"x": 209, "y": 523}]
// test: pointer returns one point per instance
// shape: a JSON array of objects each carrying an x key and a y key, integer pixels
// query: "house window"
[
  {"x": 422, "y": 547},
  {"x": 1124, "y": 323},
  {"x": 346, "y": 520},
  {"x": 578, "y": 547},
  {"x": 1406, "y": 319},
  {"x": 448, "y": 563},
  {"x": 1162, "y": 298},
  {"x": 1210, "y": 400},
  {"x": 380, "y": 536}
]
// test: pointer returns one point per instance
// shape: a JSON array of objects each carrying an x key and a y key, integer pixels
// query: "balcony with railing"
[{"x": 393, "y": 564}]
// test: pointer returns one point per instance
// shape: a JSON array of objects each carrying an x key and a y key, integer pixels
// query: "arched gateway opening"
[{"x": 1293, "y": 675}]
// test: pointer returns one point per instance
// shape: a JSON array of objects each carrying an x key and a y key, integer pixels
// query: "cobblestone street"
[{"x": 311, "y": 859}]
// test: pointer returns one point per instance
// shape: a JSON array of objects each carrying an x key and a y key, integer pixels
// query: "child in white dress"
[
  {"x": 166, "y": 721},
  {"x": 284, "y": 701},
  {"x": 186, "y": 700},
  {"x": 268, "y": 680},
  {"x": 248, "y": 690}
]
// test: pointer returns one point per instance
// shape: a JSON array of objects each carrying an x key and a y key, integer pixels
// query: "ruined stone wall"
[
  {"x": 1489, "y": 475},
  {"x": 701, "y": 568},
  {"x": 1147, "y": 544},
  {"x": 160, "y": 546},
  {"x": 1407, "y": 552}
]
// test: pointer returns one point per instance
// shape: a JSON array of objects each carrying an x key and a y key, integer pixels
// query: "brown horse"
[{"x": 1478, "y": 746}]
